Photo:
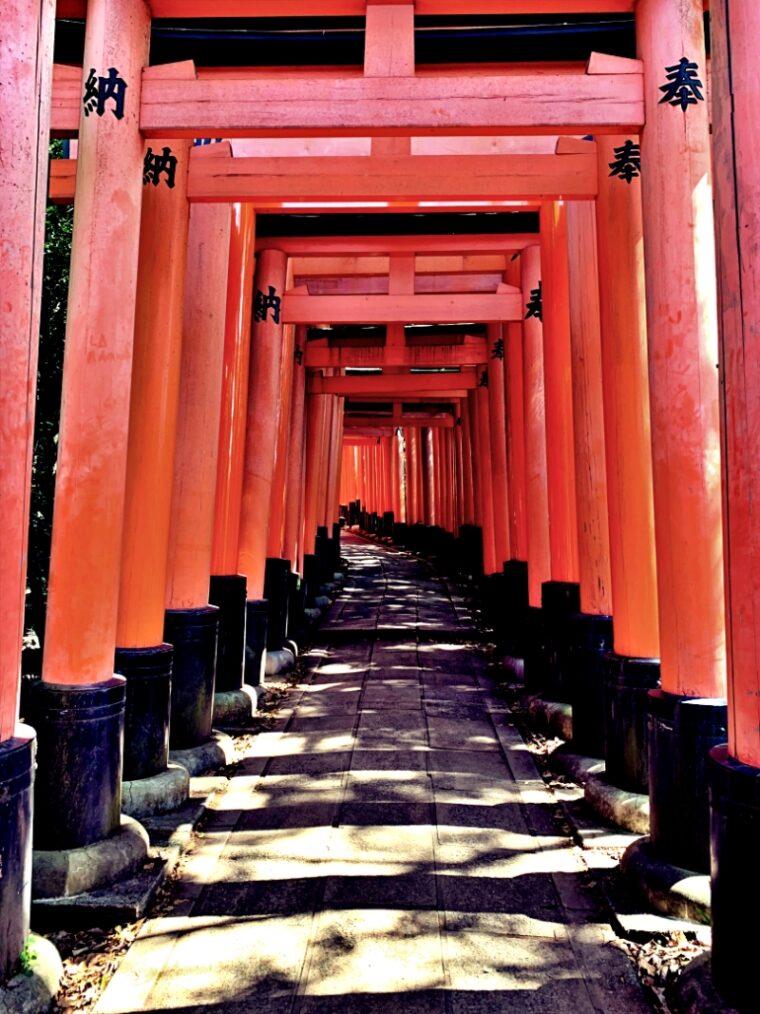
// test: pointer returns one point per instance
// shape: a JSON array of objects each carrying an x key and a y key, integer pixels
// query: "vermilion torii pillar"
[
  {"x": 83, "y": 806},
  {"x": 142, "y": 656},
  {"x": 590, "y": 632},
  {"x": 560, "y": 598},
  {"x": 633, "y": 667},
  {"x": 191, "y": 622},
  {"x": 689, "y": 713},
  {"x": 483, "y": 465},
  {"x": 261, "y": 435},
  {"x": 536, "y": 484},
  {"x": 498, "y": 427},
  {"x": 26, "y": 64},
  {"x": 294, "y": 519},
  {"x": 735, "y": 768},
  {"x": 228, "y": 588}
]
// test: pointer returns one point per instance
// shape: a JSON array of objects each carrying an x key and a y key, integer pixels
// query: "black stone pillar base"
[
  {"x": 229, "y": 592},
  {"x": 296, "y": 606},
  {"x": 471, "y": 550},
  {"x": 533, "y": 650},
  {"x": 193, "y": 633},
  {"x": 80, "y": 736},
  {"x": 493, "y": 602},
  {"x": 387, "y": 524},
  {"x": 735, "y": 846},
  {"x": 682, "y": 731},
  {"x": 276, "y": 593},
  {"x": 589, "y": 640},
  {"x": 311, "y": 578},
  {"x": 257, "y": 613},
  {"x": 323, "y": 553},
  {"x": 627, "y": 682},
  {"x": 559, "y": 601},
  {"x": 148, "y": 672},
  {"x": 516, "y": 607},
  {"x": 16, "y": 778},
  {"x": 399, "y": 534},
  {"x": 335, "y": 548}
]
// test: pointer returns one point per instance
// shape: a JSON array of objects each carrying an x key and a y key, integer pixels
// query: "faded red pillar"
[
  {"x": 483, "y": 464},
  {"x": 683, "y": 375},
  {"x": 537, "y": 490},
  {"x": 191, "y": 622},
  {"x": 468, "y": 480},
  {"x": 590, "y": 631},
  {"x": 514, "y": 380},
  {"x": 261, "y": 435},
  {"x": 228, "y": 588},
  {"x": 735, "y": 770},
  {"x": 412, "y": 474},
  {"x": 498, "y": 427},
  {"x": 459, "y": 471},
  {"x": 428, "y": 460},
  {"x": 83, "y": 590},
  {"x": 312, "y": 451},
  {"x": 448, "y": 478},
  {"x": 633, "y": 668},
  {"x": 26, "y": 64},
  {"x": 153, "y": 411}
]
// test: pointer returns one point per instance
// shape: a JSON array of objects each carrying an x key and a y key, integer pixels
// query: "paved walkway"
[{"x": 389, "y": 848}]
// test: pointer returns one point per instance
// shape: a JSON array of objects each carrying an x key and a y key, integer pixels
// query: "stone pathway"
[{"x": 389, "y": 848}]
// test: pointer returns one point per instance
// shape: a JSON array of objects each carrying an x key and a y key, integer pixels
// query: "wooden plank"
[
  {"x": 356, "y": 8},
  {"x": 408, "y": 384},
  {"x": 465, "y": 243},
  {"x": 354, "y": 422},
  {"x": 424, "y": 309},
  {"x": 377, "y": 285},
  {"x": 471, "y": 352},
  {"x": 340, "y": 267}
]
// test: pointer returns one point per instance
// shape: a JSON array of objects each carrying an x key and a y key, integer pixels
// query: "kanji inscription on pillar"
[
  {"x": 297, "y": 355},
  {"x": 483, "y": 382},
  {"x": 262, "y": 304},
  {"x": 535, "y": 306},
  {"x": 497, "y": 352},
  {"x": 683, "y": 86},
  {"x": 100, "y": 90},
  {"x": 155, "y": 166},
  {"x": 627, "y": 164}
]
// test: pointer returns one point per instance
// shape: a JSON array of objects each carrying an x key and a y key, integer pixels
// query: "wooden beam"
[
  {"x": 425, "y": 309},
  {"x": 410, "y": 385},
  {"x": 377, "y": 285},
  {"x": 305, "y": 268},
  {"x": 356, "y": 8},
  {"x": 353, "y": 422},
  {"x": 471, "y": 352},
  {"x": 458, "y": 245}
]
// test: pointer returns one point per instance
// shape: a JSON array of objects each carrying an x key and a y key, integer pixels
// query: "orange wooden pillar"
[
  {"x": 498, "y": 432},
  {"x": 468, "y": 479},
  {"x": 316, "y": 410},
  {"x": 633, "y": 668},
  {"x": 261, "y": 436},
  {"x": 560, "y": 597},
  {"x": 80, "y": 635},
  {"x": 459, "y": 473},
  {"x": 735, "y": 799},
  {"x": 483, "y": 464},
  {"x": 590, "y": 632},
  {"x": 412, "y": 434},
  {"x": 536, "y": 489},
  {"x": 228, "y": 588},
  {"x": 191, "y": 622},
  {"x": 683, "y": 357},
  {"x": 142, "y": 656},
  {"x": 294, "y": 507},
  {"x": 26, "y": 63}
]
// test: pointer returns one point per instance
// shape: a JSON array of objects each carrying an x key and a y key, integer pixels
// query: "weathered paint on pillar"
[
  {"x": 192, "y": 520},
  {"x": 263, "y": 416},
  {"x": 588, "y": 412},
  {"x": 483, "y": 465},
  {"x": 26, "y": 66},
  {"x": 537, "y": 494},
  {"x": 735, "y": 31},
  {"x": 558, "y": 403},
  {"x": 628, "y": 445},
  {"x": 237, "y": 347},
  {"x": 83, "y": 590},
  {"x": 294, "y": 506},
  {"x": 514, "y": 381},
  {"x": 683, "y": 354},
  {"x": 498, "y": 427},
  {"x": 153, "y": 408}
]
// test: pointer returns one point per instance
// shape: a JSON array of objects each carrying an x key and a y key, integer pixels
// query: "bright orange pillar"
[
  {"x": 263, "y": 417},
  {"x": 683, "y": 357},
  {"x": 294, "y": 507},
  {"x": 734, "y": 770},
  {"x": 468, "y": 455},
  {"x": 88, "y": 518},
  {"x": 588, "y": 412},
  {"x": 232, "y": 423},
  {"x": 560, "y": 458},
  {"x": 315, "y": 408},
  {"x": 26, "y": 65},
  {"x": 412, "y": 436},
  {"x": 484, "y": 466},
  {"x": 459, "y": 473},
  {"x": 323, "y": 477},
  {"x": 282, "y": 447},
  {"x": 537, "y": 495},
  {"x": 628, "y": 447},
  {"x": 514, "y": 381},
  {"x": 498, "y": 432}
]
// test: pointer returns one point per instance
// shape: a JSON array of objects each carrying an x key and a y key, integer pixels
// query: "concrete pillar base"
[
  {"x": 682, "y": 731},
  {"x": 229, "y": 593},
  {"x": 236, "y": 707},
  {"x": 67, "y": 872},
  {"x": 672, "y": 890},
  {"x": 625, "y": 809},
  {"x": 257, "y": 611},
  {"x": 145, "y": 797},
  {"x": 589, "y": 640},
  {"x": 217, "y": 752},
  {"x": 148, "y": 672},
  {"x": 33, "y": 990},
  {"x": 695, "y": 992},
  {"x": 627, "y": 682},
  {"x": 17, "y": 757},
  {"x": 279, "y": 661},
  {"x": 193, "y": 632}
]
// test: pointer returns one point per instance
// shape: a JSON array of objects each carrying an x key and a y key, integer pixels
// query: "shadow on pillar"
[
  {"x": 17, "y": 756},
  {"x": 682, "y": 731},
  {"x": 589, "y": 640},
  {"x": 193, "y": 632},
  {"x": 148, "y": 675}
]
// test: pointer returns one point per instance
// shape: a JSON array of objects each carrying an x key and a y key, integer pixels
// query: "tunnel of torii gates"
[{"x": 572, "y": 407}]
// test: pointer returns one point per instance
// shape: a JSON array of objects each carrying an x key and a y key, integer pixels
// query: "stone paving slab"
[{"x": 389, "y": 848}]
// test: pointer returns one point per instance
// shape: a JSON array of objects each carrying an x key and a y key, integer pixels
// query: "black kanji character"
[
  {"x": 683, "y": 85},
  {"x": 262, "y": 304},
  {"x": 497, "y": 352},
  {"x": 535, "y": 306},
  {"x": 483, "y": 382},
  {"x": 627, "y": 164},
  {"x": 98, "y": 91},
  {"x": 154, "y": 165},
  {"x": 297, "y": 354}
]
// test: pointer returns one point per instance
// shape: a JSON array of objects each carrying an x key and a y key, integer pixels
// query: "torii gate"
[{"x": 392, "y": 101}]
